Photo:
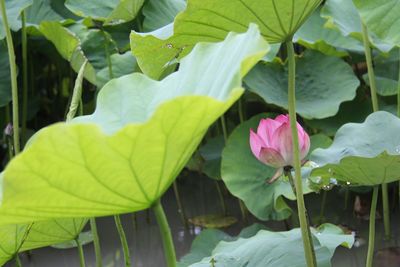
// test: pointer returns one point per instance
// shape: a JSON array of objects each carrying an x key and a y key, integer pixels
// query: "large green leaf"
[
  {"x": 11, "y": 238},
  {"x": 43, "y": 234},
  {"x": 13, "y": 10},
  {"x": 318, "y": 93},
  {"x": 210, "y": 21},
  {"x": 124, "y": 156},
  {"x": 110, "y": 12},
  {"x": 343, "y": 15},
  {"x": 381, "y": 18},
  {"x": 363, "y": 153},
  {"x": 208, "y": 239},
  {"x": 314, "y": 35},
  {"x": 47, "y": 10},
  {"x": 159, "y": 13},
  {"x": 211, "y": 153},
  {"x": 283, "y": 249},
  {"x": 5, "y": 77},
  {"x": 247, "y": 178},
  {"x": 68, "y": 45},
  {"x": 122, "y": 64},
  {"x": 386, "y": 69}
]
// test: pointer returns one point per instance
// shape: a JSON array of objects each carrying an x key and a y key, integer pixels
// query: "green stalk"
[
  {"x": 221, "y": 198},
  {"x": 346, "y": 198},
  {"x": 124, "y": 242},
  {"x": 24, "y": 77},
  {"x": 76, "y": 94},
  {"x": 181, "y": 209},
  {"x": 371, "y": 74},
  {"x": 375, "y": 107},
  {"x": 305, "y": 230},
  {"x": 323, "y": 204},
  {"x": 243, "y": 208},
  {"x": 96, "y": 242},
  {"x": 386, "y": 215},
  {"x": 13, "y": 71},
  {"x": 166, "y": 236},
  {"x": 80, "y": 251},
  {"x": 17, "y": 261},
  {"x": 371, "y": 241},
  {"x": 398, "y": 91}
]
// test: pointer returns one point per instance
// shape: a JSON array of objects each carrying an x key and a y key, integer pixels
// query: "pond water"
[{"x": 200, "y": 197}]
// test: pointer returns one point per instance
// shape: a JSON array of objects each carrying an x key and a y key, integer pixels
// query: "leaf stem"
[
  {"x": 375, "y": 107},
  {"x": 96, "y": 242},
  {"x": 13, "y": 71},
  {"x": 398, "y": 90},
  {"x": 17, "y": 261},
  {"x": 181, "y": 209},
  {"x": 24, "y": 77},
  {"x": 323, "y": 204},
  {"x": 386, "y": 215},
  {"x": 371, "y": 241},
  {"x": 80, "y": 251},
  {"x": 77, "y": 93},
  {"x": 305, "y": 230},
  {"x": 371, "y": 74},
  {"x": 124, "y": 242},
  {"x": 166, "y": 236}
]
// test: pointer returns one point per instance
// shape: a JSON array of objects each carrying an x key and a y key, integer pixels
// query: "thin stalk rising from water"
[
  {"x": 371, "y": 241},
  {"x": 305, "y": 230},
  {"x": 375, "y": 107},
  {"x": 124, "y": 242},
  {"x": 14, "y": 84},
  {"x": 169, "y": 249}
]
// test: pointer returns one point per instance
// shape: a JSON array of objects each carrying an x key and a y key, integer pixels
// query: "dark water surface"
[{"x": 200, "y": 197}]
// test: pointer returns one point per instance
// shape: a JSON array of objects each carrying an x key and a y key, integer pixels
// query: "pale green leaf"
[
  {"x": 109, "y": 12},
  {"x": 159, "y": 13},
  {"x": 125, "y": 156},
  {"x": 382, "y": 18},
  {"x": 318, "y": 93},
  {"x": 211, "y": 21},
  {"x": 208, "y": 239},
  {"x": 363, "y": 153},
  {"x": 13, "y": 10},
  {"x": 314, "y": 35},
  {"x": 343, "y": 15},
  {"x": 283, "y": 249}
]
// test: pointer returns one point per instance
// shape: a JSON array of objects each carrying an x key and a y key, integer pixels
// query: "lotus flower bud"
[{"x": 272, "y": 144}]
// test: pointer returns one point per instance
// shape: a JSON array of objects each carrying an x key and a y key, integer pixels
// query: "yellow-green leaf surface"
[
  {"x": 43, "y": 234},
  {"x": 124, "y": 156},
  {"x": 11, "y": 238},
  {"x": 211, "y": 20}
]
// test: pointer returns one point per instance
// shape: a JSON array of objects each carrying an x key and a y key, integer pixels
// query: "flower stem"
[
  {"x": 166, "y": 236},
  {"x": 124, "y": 242},
  {"x": 386, "y": 215},
  {"x": 375, "y": 107},
  {"x": 181, "y": 209},
  {"x": 371, "y": 74},
  {"x": 24, "y": 77},
  {"x": 80, "y": 251},
  {"x": 323, "y": 204},
  {"x": 305, "y": 230},
  {"x": 96, "y": 242},
  {"x": 371, "y": 241},
  {"x": 17, "y": 261},
  {"x": 13, "y": 71}
]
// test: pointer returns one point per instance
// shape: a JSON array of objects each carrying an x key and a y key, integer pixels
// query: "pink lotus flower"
[{"x": 272, "y": 144}]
